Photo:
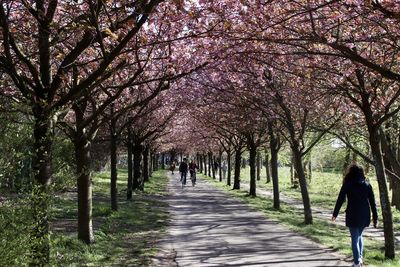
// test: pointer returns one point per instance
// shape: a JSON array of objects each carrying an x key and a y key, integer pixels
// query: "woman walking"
[{"x": 360, "y": 203}]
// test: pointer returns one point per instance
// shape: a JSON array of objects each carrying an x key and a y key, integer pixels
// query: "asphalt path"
[{"x": 210, "y": 228}]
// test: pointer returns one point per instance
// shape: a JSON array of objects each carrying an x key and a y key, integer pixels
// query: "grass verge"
[
  {"x": 321, "y": 231},
  {"x": 126, "y": 237}
]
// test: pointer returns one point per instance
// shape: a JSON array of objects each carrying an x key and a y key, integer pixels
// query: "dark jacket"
[
  {"x": 183, "y": 167},
  {"x": 360, "y": 202}
]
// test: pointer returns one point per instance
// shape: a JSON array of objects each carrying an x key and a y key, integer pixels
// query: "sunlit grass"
[{"x": 323, "y": 189}]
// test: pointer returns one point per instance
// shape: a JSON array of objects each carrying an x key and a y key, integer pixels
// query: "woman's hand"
[{"x": 333, "y": 218}]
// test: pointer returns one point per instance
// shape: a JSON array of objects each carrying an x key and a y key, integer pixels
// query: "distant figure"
[
  {"x": 183, "y": 169},
  {"x": 216, "y": 165},
  {"x": 192, "y": 169},
  {"x": 172, "y": 167},
  {"x": 224, "y": 168},
  {"x": 360, "y": 202}
]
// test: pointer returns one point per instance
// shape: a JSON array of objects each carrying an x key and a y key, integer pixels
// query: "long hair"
[{"x": 354, "y": 172}]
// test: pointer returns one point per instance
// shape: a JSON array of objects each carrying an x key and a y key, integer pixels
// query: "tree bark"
[
  {"x": 267, "y": 167},
  {"x": 130, "y": 168},
  {"x": 146, "y": 164},
  {"x": 82, "y": 153},
  {"x": 274, "y": 148},
  {"x": 258, "y": 166},
  {"x": 298, "y": 164},
  {"x": 163, "y": 161},
  {"x": 384, "y": 196},
  {"x": 229, "y": 162},
  {"x": 253, "y": 156},
  {"x": 213, "y": 166},
  {"x": 274, "y": 173},
  {"x": 40, "y": 239},
  {"x": 151, "y": 159},
  {"x": 137, "y": 159},
  {"x": 200, "y": 159},
  {"x": 236, "y": 178},
  {"x": 210, "y": 165},
  {"x": 205, "y": 163},
  {"x": 114, "y": 173},
  {"x": 220, "y": 162}
]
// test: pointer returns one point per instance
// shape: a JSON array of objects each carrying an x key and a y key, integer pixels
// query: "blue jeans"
[
  {"x": 357, "y": 243},
  {"x": 183, "y": 177}
]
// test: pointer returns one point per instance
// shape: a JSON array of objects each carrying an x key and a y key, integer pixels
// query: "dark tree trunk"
[
  {"x": 146, "y": 164},
  {"x": 205, "y": 163},
  {"x": 137, "y": 159},
  {"x": 229, "y": 175},
  {"x": 384, "y": 196},
  {"x": 210, "y": 165},
  {"x": 267, "y": 167},
  {"x": 274, "y": 172},
  {"x": 130, "y": 169},
  {"x": 200, "y": 160},
  {"x": 114, "y": 174},
  {"x": 220, "y": 162},
  {"x": 155, "y": 161},
  {"x": 236, "y": 178},
  {"x": 258, "y": 166},
  {"x": 392, "y": 165},
  {"x": 163, "y": 161},
  {"x": 82, "y": 153},
  {"x": 213, "y": 161},
  {"x": 43, "y": 134},
  {"x": 253, "y": 157},
  {"x": 298, "y": 164},
  {"x": 292, "y": 178},
  {"x": 151, "y": 159}
]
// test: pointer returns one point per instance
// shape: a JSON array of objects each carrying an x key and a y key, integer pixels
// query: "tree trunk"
[
  {"x": 114, "y": 174},
  {"x": 214, "y": 170},
  {"x": 274, "y": 172},
  {"x": 253, "y": 157},
  {"x": 130, "y": 169},
  {"x": 267, "y": 167},
  {"x": 146, "y": 164},
  {"x": 82, "y": 153},
  {"x": 229, "y": 162},
  {"x": 392, "y": 165},
  {"x": 200, "y": 164},
  {"x": 205, "y": 163},
  {"x": 236, "y": 178},
  {"x": 40, "y": 239},
  {"x": 292, "y": 170},
  {"x": 220, "y": 162},
  {"x": 210, "y": 165},
  {"x": 298, "y": 164},
  {"x": 137, "y": 159},
  {"x": 384, "y": 196},
  {"x": 258, "y": 166},
  {"x": 151, "y": 158},
  {"x": 163, "y": 161}
]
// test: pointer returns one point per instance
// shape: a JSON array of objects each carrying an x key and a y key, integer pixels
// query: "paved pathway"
[{"x": 209, "y": 228}]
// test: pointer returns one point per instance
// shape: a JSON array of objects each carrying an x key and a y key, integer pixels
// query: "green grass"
[
  {"x": 321, "y": 231},
  {"x": 323, "y": 189},
  {"x": 123, "y": 238}
]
